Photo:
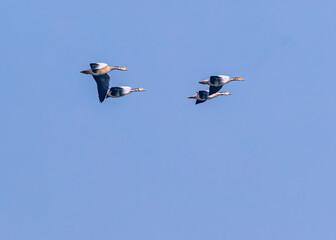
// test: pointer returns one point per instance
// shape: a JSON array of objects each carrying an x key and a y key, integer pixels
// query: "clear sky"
[{"x": 259, "y": 164}]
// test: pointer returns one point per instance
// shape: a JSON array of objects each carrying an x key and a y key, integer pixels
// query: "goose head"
[
  {"x": 139, "y": 90},
  {"x": 237, "y": 79},
  {"x": 220, "y": 94},
  {"x": 122, "y": 69},
  {"x": 226, "y": 93}
]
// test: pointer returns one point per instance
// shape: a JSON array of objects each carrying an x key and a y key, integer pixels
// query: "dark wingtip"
[{"x": 198, "y": 102}]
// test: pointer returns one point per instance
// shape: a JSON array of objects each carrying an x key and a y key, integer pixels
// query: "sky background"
[{"x": 259, "y": 164}]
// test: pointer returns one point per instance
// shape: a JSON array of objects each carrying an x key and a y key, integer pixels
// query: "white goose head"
[
  {"x": 138, "y": 90},
  {"x": 225, "y": 93},
  {"x": 122, "y": 69},
  {"x": 237, "y": 79}
]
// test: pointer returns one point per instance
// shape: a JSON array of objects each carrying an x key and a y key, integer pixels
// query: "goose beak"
[
  {"x": 191, "y": 97},
  {"x": 240, "y": 79},
  {"x": 203, "y": 82}
]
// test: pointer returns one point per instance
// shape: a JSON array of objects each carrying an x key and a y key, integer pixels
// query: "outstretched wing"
[
  {"x": 96, "y": 66},
  {"x": 103, "y": 82},
  {"x": 213, "y": 89},
  {"x": 199, "y": 101}
]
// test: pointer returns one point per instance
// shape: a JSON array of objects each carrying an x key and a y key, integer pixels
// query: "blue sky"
[{"x": 259, "y": 164}]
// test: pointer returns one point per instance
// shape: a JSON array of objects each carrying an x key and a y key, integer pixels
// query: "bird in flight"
[
  {"x": 99, "y": 72},
  {"x": 115, "y": 92},
  {"x": 203, "y": 95},
  {"x": 217, "y": 82}
]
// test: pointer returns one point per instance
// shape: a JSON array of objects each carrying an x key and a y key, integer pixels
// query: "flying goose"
[
  {"x": 115, "y": 92},
  {"x": 217, "y": 82},
  {"x": 202, "y": 96},
  {"x": 99, "y": 72},
  {"x": 101, "y": 68}
]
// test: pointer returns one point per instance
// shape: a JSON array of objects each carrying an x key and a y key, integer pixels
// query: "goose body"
[
  {"x": 99, "y": 73},
  {"x": 115, "y": 92},
  {"x": 204, "y": 95},
  {"x": 217, "y": 82},
  {"x": 97, "y": 69}
]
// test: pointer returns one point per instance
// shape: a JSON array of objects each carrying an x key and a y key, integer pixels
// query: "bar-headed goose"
[
  {"x": 217, "y": 82},
  {"x": 101, "y": 68},
  {"x": 203, "y": 95},
  {"x": 115, "y": 92}
]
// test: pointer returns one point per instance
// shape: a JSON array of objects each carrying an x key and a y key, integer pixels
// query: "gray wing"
[
  {"x": 213, "y": 89},
  {"x": 96, "y": 66},
  {"x": 103, "y": 82},
  {"x": 216, "y": 80},
  {"x": 116, "y": 91},
  {"x": 199, "y": 101}
]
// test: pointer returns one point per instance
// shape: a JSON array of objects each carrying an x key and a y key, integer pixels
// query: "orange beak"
[{"x": 203, "y": 82}]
